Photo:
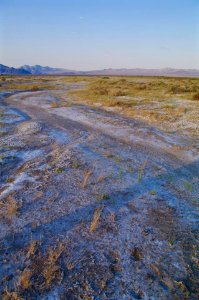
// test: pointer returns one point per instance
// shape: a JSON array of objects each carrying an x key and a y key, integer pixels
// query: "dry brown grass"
[
  {"x": 40, "y": 270},
  {"x": 95, "y": 221},
  {"x": 10, "y": 296},
  {"x": 8, "y": 208},
  {"x": 34, "y": 88},
  {"x": 54, "y": 104},
  {"x": 24, "y": 279},
  {"x": 101, "y": 178},
  {"x": 196, "y": 96},
  {"x": 159, "y": 101},
  {"x": 51, "y": 268},
  {"x": 31, "y": 249},
  {"x": 86, "y": 178}
]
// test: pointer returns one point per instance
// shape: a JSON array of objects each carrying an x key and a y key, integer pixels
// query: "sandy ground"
[{"x": 94, "y": 205}]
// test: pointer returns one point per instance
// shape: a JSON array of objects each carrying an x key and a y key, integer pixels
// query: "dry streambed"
[{"x": 93, "y": 205}]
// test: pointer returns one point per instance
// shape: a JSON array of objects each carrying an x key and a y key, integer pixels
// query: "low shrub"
[
  {"x": 196, "y": 96},
  {"x": 35, "y": 88}
]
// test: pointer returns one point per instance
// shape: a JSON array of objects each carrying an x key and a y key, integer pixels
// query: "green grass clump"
[
  {"x": 59, "y": 170},
  {"x": 153, "y": 192}
]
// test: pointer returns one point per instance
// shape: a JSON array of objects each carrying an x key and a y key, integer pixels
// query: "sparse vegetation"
[
  {"x": 95, "y": 220},
  {"x": 54, "y": 104},
  {"x": 59, "y": 170},
  {"x": 153, "y": 192},
  {"x": 83, "y": 215},
  {"x": 141, "y": 171},
  {"x": 196, "y": 96},
  {"x": 8, "y": 208},
  {"x": 35, "y": 88},
  {"x": 159, "y": 101}
]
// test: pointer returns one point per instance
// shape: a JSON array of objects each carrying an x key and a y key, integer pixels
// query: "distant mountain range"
[
  {"x": 12, "y": 71},
  {"x": 40, "y": 70},
  {"x": 37, "y": 69}
]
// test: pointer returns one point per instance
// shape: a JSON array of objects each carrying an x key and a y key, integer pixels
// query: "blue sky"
[{"x": 97, "y": 34}]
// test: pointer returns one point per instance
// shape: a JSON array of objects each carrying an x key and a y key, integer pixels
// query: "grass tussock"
[
  {"x": 196, "y": 96},
  {"x": 54, "y": 104},
  {"x": 86, "y": 178},
  {"x": 39, "y": 272},
  {"x": 95, "y": 220},
  {"x": 141, "y": 171},
  {"x": 8, "y": 208}
]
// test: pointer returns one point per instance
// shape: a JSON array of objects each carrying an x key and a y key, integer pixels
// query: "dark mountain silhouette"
[
  {"x": 12, "y": 71},
  {"x": 37, "y": 69}
]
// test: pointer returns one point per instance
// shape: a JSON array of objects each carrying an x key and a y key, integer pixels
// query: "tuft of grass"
[
  {"x": 59, "y": 170},
  {"x": 86, "y": 178},
  {"x": 7, "y": 295},
  {"x": 8, "y": 208},
  {"x": 101, "y": 178},
  {"x": 95, "y": 220},
  {"x": 75, "y": 165},
  {"x": 189, "y": 186},
  {"x": 136, "y": 254},
  {"x": 171, "y": 243},
  {"x": 35, "y": 88},
  {"x": 195, "y": 96},
  {"x": 31, "y": 249},
  {"x": 141, "y": 171},
  {"x": 54, "y": 104},
  {"x": 9, "y": 180},
  {"x": 51, "y": 268},
  {"x": 105, "y": 197},
  {"x": 24, "y": 279},
  {"x": 153, "y": 192}
]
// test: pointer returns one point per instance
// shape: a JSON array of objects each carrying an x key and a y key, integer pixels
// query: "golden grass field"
[{"x": 159, "y": 101}]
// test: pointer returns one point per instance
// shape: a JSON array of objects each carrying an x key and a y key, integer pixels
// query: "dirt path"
[{"x": 107, "y": 204}]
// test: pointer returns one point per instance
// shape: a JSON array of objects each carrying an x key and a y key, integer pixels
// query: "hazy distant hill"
[
  {"x": 15, "y": 71},
  {"x": 37, "y": 69},
  {"x": 147, "y": 72}
]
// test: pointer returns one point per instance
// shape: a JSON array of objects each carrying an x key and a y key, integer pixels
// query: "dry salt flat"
[{"x": 94, "y": 205}]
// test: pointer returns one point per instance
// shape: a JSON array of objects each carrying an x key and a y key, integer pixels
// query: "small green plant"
[
  {"x": 129, "y": 167},
  {"x": 141, "y": 171},
  {"x": 111, "y": 175},
  {"x": 153, "y": 192},
  {"x": 157, "y": 168},
  {"x": 9, "y": 180},
  {"x": 3, "y": 78},
  {"x": 189, "y": 186},
  {"x": 120, "y": 173},
  {"x": 98, "y": 197},
  {"x": 105, "y": 197},
  {"x": 171, "y": 243},
  {"x": 59, "y": 170},
  {"x": 117, "y": 159},
  {"x": 76, "y": 165}
]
